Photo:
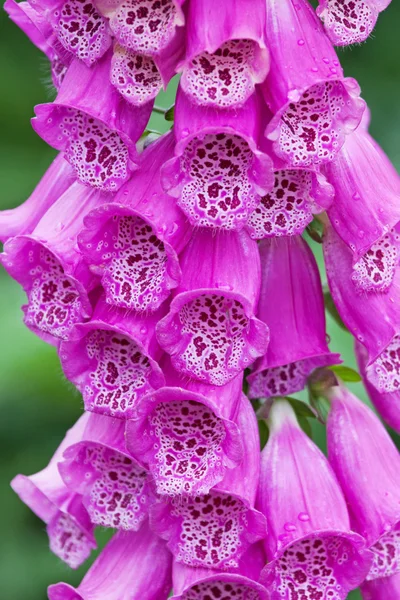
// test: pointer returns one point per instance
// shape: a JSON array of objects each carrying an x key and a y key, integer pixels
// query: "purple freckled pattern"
[
  {"x": 188, "y": 441},
  {"x": 217, "y": 191},
  {"x": 144, "y": 26},
  {"x": 375, "y": 270},
  {"x": 384, "y": 372},
  {"x": 347, "y": 21},
  {"x": 224, "y": 78},
  {"x": 386, "y": 556},
  {"x": 135, "y": 76},
  {"x": 220, "y": 590},
  {"x": 287, "y": 209},
  {"x": 279, "y": 381},
  {"x": 68, "y": 541},
  {"x": 82, "y": 30},
  {"x": 58, "y": 71},
  {"x": 118, "y": 374},
  {"x": 311, "y": 129}
]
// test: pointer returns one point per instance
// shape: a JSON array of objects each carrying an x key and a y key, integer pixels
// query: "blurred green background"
[{"x": 37, "y": 403}]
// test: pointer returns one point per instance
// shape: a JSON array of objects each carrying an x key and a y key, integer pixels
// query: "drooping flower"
[
  {"x": 381, "y": 589},
  {"x": 226, "y": 54},
  {"x": 311, "y": 549},
  {"x": 132, "y": 243},
  {"x": 367, "y": 464},
  {"x": 134, "y": 565},
  {"x": 314, "y": 106},
  {"x": 115, "y": 488},
  {"x": 210, "y": 331},
  {"x": 68, "y": 524},
  {"x": 373, "y": 317},
  {"x": 386, "y": 403},
  {"x": 348, "y": 21},
  {"x": 187, "y": 433},
  {"x": 292, "y": 305},
  {"x": 45, "y": 259},
  {"x": 214, "y": 530},
  {"x": 194, "y": 583},
  {"x": 112, "y": 359},
  {"x": 218, "y": 172},
  {"x": 94, "y": 125}
]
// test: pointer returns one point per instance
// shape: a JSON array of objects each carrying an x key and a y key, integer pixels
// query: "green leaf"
[
  {"x": 305, "y": 425},
  {"x": 315, "y": 230},
  {"x": 346, "y": 373},
  {"x": 302, "y": 409},
  {"x": 332, "y": 310},
  {"x": 264, "y": 433},
  {"x": 170, "y": 113},
  {"x": 321, "y": 405}
]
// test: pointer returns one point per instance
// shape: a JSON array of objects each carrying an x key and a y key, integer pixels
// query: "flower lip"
[
  {"x": 228, "y": 578},
  {"x": 348, "y": 23},
  {"x": 64, "y": 591}
]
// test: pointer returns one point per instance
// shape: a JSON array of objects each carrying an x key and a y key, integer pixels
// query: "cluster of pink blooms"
[{"x": 165, "y": 269}]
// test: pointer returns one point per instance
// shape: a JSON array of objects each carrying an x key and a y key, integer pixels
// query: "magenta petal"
[
  {"x": 310, "y": 545},
  {"x": 210, "y": 331},
  {"x": 367, "y": 463},
  {"x": 314, "y": 107},
  {"x": 214, "y": 530},
  {"x": 367, "y": 199},
  {"x": 292, "y": 305},
  {"x": 218, "y": 171},
  {"x": 95, "y": 126},
  {"x": 50, "y": 268},
  {"x": 115, "y": 488},
  {"x": 68, "y": 525},
  {"x": 187, "y": 433},
  {"x": 347, "y": 22},
  {"x": 112, "y": 359},
  {"x": 135, "y": 76},
  {"x": 384, "y": 588},
  {"x": 134, "y": 566},
  {"x": 226, "y": 54},
  {"x": 133, "y": 242},
  {"x": 386, "y": 403},
  {"x": 23, "y": 219}
]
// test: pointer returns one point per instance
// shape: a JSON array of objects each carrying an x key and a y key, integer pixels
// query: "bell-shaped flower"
[
  {"x": 211, "y": 331},
  {"x": 46, "y": 261},
  {"x": 133, "y": 565},
  {"x": 115, "y": 488},
  {"x": 187, "y": 433},
  {"x": 94, "y": 125},
  {"x": 311, "y": 549},
  {"x": 313, "y": 104},
  {"x": 133, "y": 242},
  {"x": 68, "y": 524},
  {"x": 226, "y": 54},
  {"x": 214, "y": 530},
  {"x": 218, "y": 172},
  {"x": 367, "y": 464},
  {"x": 384, "y": 588},
  {"x": 292, "y": 305},
  {"x": 112, "y": 359}
]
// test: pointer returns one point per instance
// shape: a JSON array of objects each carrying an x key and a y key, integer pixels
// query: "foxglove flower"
[
  {"x": 115, "y": 488},
  {"x": 386, "y": 403},
  {"x": 366, "y": 207},
  {"x": 188, "y": 434},
  {"x": 214, "y": 530},
  {"x": 23, "y": 219},
  {"x": 68, "y": 524},
  {"x": 367, "y": 464},
  {"x": 348, "y": 21},
  {"x": 311, "y": 550},
  {"x": 94, "y": 125},
  {"x": 292, "y": 305},
  {"x": 132, "y": 243},
  {"x": 218, "y": 171},
  {"x": 210, "y": 331},
  {"x": 314, "y": 106},
  {"x": 132, "y": 565},
  {"x": 112, "y": 359},
  {"x": 48, "y": 265},
  {"x": 194, "y": 583},
  {"x": 226, "y": 54},
  {"x": 381, "y": 589},
  {"x": 380, "y": 333}
]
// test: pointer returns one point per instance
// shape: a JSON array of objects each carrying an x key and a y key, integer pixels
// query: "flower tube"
[
  {"x": 133, "y": 242},
  {"x": 115, "y": 488},
  {"x": 216, "y": 529},
  {"x": 381, "y": 589},
  {"x": 313, "y": 104},
  {"x": 210, "y": 331},
  {"x": 133, "y": 565},
  {"x": 68, "y": 524},
  {"x": 292, "y": 305},
  {"x": 311, "y": 549}
]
